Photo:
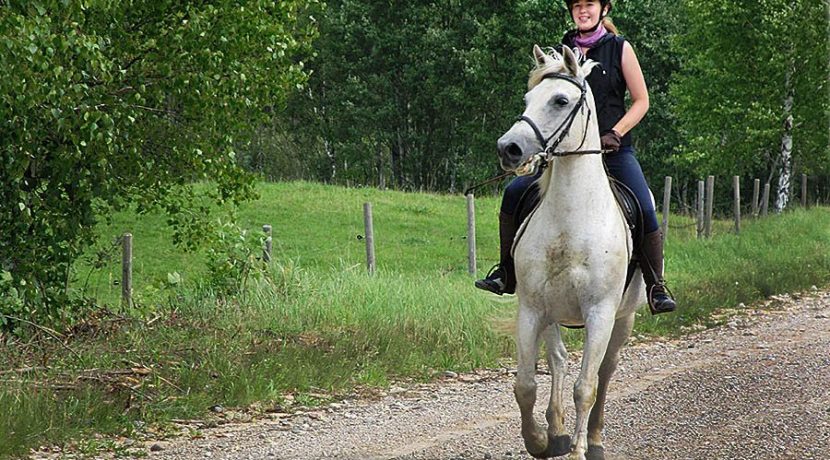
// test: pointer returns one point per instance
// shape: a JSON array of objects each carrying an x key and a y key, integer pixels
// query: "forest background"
[{"x": 116, "y": 104}]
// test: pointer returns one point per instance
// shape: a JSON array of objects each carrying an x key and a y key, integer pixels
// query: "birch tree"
[{"x": 751, "y": 97}]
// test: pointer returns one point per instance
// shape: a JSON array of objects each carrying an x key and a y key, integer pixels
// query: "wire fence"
[{"x": 702, "y": 222}]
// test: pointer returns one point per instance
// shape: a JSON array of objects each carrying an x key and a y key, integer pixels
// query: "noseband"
[{"x": 549, "y": 149}]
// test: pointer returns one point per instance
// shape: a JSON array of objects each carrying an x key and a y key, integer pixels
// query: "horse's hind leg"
[
  {"x": 559, "y": 443},
  {"x": 596, "y": 422},
  {"x": 529, "y": 326}
]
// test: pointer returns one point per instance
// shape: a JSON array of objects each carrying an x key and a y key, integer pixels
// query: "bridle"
[
  {"x": 549, "y": 149},
  {"x": 541, "y": 159}
]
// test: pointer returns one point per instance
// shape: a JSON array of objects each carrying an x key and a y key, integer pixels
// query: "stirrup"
[
  {"x": 495, "y": 285},
  {"x": 650, "y": 298}
]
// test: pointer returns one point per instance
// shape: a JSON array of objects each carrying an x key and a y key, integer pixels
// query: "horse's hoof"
[
  {"x": 595, "y": 453},
  {"x": 559, "y": 445},
  {"x": 536, "y": 444},
  {"x": 540, "y": 455}
]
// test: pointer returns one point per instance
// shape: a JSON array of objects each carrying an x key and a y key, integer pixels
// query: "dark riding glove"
[{"x": 611, "y": 141}]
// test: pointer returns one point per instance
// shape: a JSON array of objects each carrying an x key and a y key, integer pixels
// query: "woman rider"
[{"x": 619, "y": 71}]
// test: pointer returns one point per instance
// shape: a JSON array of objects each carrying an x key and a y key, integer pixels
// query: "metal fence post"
[{"x": 700, "y": 209}]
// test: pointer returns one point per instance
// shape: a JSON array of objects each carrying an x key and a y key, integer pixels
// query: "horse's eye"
[{"x": 561, "y": 101}]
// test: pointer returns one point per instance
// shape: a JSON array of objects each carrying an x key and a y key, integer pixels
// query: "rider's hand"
[{"x": 611, "y": 141}]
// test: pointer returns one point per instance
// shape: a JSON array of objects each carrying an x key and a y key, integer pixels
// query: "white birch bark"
[
  {"x": 782, "y": 197},
  {"x": 332, "y": 159}
]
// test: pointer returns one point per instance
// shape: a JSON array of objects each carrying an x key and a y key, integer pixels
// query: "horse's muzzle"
[{"x": 510, "y": 154}]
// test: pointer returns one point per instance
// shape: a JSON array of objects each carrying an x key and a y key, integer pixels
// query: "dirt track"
[{"x": 755, "y": 388}]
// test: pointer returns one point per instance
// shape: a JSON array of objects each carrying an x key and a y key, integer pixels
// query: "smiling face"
[{"x": 586, "y": 14}]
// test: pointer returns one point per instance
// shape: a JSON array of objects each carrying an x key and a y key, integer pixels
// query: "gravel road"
[{"x": 756, "y": 387}]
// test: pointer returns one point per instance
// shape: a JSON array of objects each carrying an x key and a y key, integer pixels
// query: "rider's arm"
[{"x": 637, "y": 89}]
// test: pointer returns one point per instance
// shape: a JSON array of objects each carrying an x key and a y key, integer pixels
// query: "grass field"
[{"x": 318, "y": 327}]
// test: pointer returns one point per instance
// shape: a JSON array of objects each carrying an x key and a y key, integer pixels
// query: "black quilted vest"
[{"x": 606, "y": 80}]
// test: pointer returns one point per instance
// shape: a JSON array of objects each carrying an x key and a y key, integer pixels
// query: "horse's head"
[{"x": 557, "y": 105}]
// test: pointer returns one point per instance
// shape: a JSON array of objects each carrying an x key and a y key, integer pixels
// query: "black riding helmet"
[{"x": 602, "y": 4}]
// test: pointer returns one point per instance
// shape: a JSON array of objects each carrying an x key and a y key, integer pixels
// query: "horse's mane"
[{"x": 557, "y": 65}]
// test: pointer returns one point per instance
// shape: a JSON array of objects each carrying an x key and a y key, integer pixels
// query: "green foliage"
[
  {"x": 649, "y": 25},
  {"x": 411, "y": 95},
  {"x": 414, "y": 95},
  {"x": 233, "y": 257},
  {"x": 11, "y": 300},
  {"x": 108, "y": 103},
  {"x": 740, "y": 63}
]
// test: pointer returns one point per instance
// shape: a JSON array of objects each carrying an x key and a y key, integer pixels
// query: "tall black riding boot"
[
  {"x": 659, "y": 300},
  {"x": 502, "y": 277}
]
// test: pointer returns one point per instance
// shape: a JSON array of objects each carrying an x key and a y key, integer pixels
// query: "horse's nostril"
[{"x": 513, "y": 150}]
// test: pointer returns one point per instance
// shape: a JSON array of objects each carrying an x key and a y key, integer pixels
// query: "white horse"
[{"x": 571, "y": 259}]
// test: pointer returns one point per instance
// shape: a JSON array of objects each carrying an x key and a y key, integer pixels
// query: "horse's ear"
[
  {"x": 541, "y": 57},
  {"x": 571, "y": 62}
]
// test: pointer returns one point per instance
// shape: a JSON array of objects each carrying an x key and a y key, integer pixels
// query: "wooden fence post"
[
  {"x": 765, "y": 200},
  {"x": 710, "y": 194},
  {"x": 370, "y": 237},
  {"x": 804, "y": 191},
  {"x": 471, "y": 234},
  {"x": 756, "y": 187},
  {"x": 700, "y": 209},
  {"x": 127, "y": 271},
  {"x": 736, "y": 186},
  {"x": 666, "y": 206},
  {"x": 266, "y": 252}
]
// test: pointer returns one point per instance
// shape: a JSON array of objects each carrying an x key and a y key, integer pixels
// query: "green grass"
[
  {"x": 317, "y": 226},
  {"x": 317, "y": 326}
]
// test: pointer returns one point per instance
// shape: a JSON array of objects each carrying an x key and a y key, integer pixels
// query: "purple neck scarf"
[{"x": 590, "y": 40}]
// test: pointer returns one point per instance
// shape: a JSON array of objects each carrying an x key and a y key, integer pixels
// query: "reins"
[{"x": 488, "y": 181}]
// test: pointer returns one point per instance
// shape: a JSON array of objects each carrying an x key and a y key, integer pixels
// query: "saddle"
[{"x": 627, "y": 202}]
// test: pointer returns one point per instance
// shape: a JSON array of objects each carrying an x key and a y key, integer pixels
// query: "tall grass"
[
  {"x": 317, "y": 326},
  {"x": 781, "y": 253}
]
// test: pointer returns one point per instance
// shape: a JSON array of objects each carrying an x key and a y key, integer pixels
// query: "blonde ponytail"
[{"x": 609, "y": 25}]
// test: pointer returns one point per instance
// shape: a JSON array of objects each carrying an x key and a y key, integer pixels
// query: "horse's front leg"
[
  {"x": 598, "y": 327},
  {"x": 559, "y": 443},
  {"x": 529, "y": 326},
  {"x": 596, "y": 422}
]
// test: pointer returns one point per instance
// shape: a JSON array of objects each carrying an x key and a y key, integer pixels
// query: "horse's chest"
[{"x": 566, "y": 267}]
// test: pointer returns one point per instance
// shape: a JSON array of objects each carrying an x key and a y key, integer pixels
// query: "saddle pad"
[{"x": 625, "y": 198}]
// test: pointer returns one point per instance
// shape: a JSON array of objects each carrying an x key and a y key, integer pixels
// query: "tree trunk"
[
  {"x": 332, "y": 160},
  {"x": 381, "y": 170},
  {"x": 784, "y": 182}
]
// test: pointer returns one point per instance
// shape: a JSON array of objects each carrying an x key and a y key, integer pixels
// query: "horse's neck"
[{"x": 577, "y": 178}]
